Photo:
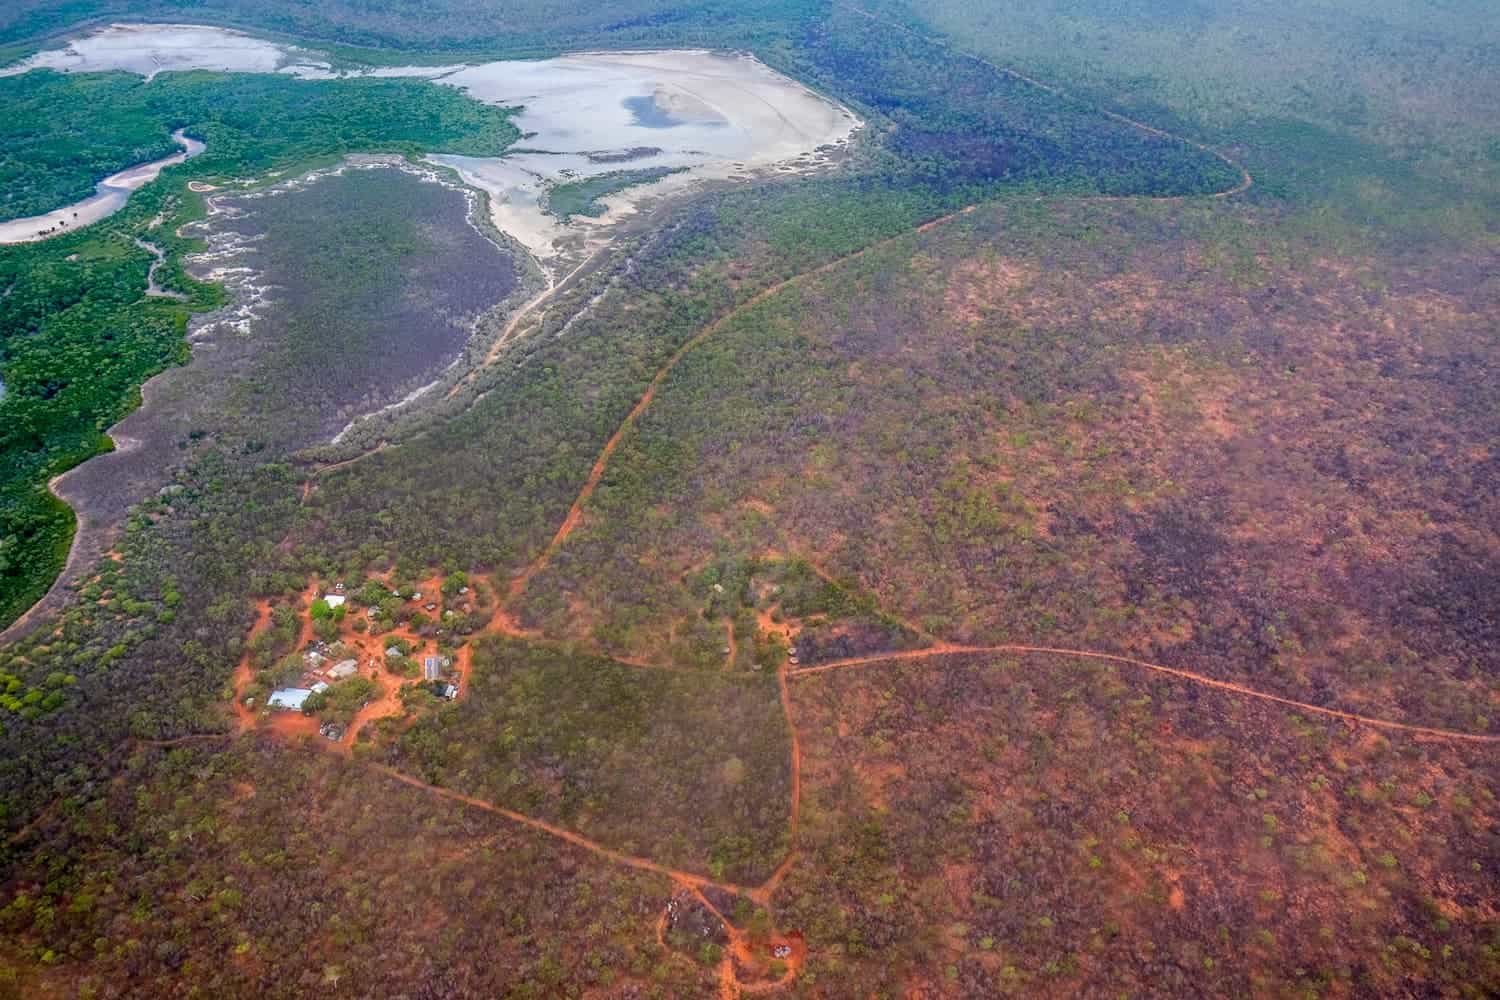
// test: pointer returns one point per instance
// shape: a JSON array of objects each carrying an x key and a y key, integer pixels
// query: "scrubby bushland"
[
  {"x": 1105, "y": 831},
  {"x": 687, "y": 769},
  {"x": 276, "y": 873}
]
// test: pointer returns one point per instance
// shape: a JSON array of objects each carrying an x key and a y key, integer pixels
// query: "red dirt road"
[
  {"x": 561, "y": 833},
  {"x": 575, "y": 512},
  {"x": 1187, "y": 675},
  {"x": 503, "y": 623}
]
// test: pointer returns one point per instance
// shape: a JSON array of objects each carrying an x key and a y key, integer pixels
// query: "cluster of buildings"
[
  {"x": 318, "y": 677},
  {"x": 326, "y": 664}
]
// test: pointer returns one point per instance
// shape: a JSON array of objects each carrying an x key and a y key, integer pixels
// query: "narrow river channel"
[{"x": 109, "y": 197}]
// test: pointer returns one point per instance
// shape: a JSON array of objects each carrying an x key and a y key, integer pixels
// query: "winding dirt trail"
[
  {"x": 596, "y": 473},
  {"x": 503, "y": 621},
  {"x": 948, "y": 649},
  {"x": 688, "y": 879}
]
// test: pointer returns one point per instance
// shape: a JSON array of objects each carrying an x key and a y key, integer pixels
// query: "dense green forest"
[
  {"x": 73, "y": 129},
  {"x": 44, "y": 167}
]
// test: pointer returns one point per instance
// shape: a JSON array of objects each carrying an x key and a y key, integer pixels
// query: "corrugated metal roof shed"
[{"x": 288, "y": 698}]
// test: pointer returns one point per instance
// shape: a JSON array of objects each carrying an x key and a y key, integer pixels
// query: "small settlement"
[{"x": 370, "y": 664}]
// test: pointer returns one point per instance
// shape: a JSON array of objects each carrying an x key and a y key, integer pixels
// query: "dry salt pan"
[
  {"x": 709, "y": 115},
  {"x": 149, "y": 49}
]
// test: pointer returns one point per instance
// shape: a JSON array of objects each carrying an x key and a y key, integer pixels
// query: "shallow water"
[
  {"x": 108, "y": 198},
  {"x": 645, "y": 112}
]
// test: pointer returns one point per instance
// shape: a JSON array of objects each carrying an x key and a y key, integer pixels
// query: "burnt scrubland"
[
  {"x": 781, "y": 434},
  {"x": 1105, "y": 436},
  {"x": 375, "y": 279},
  {"x": 686, "y": 769},
  {"x": 1106, "y": 833}
]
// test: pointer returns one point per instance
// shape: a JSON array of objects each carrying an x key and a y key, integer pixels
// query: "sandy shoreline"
[{"x": 108, "y": 198}]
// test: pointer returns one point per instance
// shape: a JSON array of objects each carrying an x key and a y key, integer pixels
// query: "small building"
[
  {"x": 313, "y": 659},
  {"x": 343, "y": 668},
  {"x": 433, "y": 666},
  {"x": 450, "y": 691},
  {"x": 333, "y": 600},
  {"x": 290, "y": 699},
  {"x": 320, "y": 687},
  {"x": 393, "y": 653}
]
